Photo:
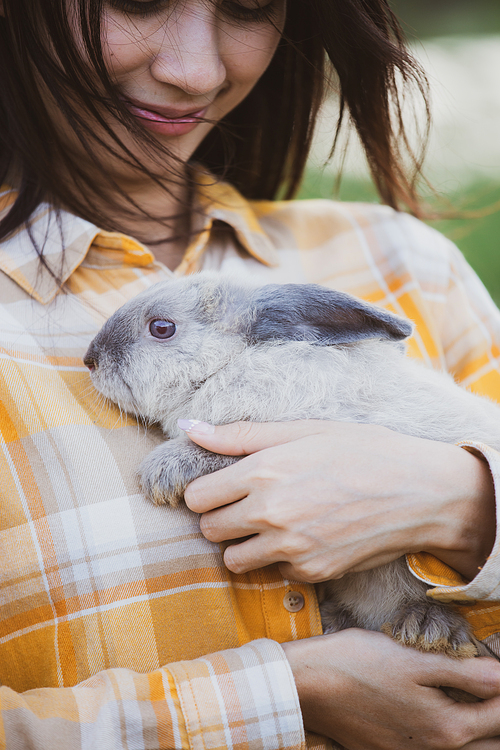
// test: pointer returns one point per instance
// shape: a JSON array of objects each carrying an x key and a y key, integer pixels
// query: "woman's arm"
[
  {"x": 358, "y": 687},
  {"x": 243, "y": 697}
]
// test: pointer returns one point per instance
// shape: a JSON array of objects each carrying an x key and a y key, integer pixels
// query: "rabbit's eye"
[{"x": 162, "y": 329}]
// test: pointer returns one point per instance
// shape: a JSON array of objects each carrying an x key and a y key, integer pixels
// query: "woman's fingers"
[
  {"x": 261, "y": 545},
  {"x": 485, "y": 721},
  {"x": 215, "y": 490},
  {"x": 233, "y": 483},
  {"x": 480, "y": 724},
  {"x": 251, "y": 554},
  {"x": 244, "y": 438},
  {"x": 481, "y": 677},
  {"x": 230, "y": 522}
]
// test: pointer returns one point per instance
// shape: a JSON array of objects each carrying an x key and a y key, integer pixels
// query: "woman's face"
[{"x": 175, "y": 60}]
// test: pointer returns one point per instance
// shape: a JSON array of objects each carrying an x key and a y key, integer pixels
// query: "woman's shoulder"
[
  {"x": 320, "y": 214},
  {"x": 377, "y": 234}
]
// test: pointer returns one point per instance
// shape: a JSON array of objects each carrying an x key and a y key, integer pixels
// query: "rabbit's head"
[{"x": 161, "y": 346}]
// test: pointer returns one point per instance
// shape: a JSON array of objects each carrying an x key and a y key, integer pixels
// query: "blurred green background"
[
  {"x": 428, "y": 18},
  {"x": 458, "y": 44}
]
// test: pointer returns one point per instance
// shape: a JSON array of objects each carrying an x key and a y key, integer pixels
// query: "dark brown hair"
[{"x": 261, "y": 146}]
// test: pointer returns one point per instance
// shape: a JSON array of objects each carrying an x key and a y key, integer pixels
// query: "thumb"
[{"x": 244, "y": 438}]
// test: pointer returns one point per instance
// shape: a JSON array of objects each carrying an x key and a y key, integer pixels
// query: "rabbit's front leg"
[{"x": 165, "y": 472}]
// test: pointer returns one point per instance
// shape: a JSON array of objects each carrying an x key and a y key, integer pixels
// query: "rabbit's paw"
[
  {"x": 162, "y": 476},
  {"x": 433, "y": 628},
  {"x": 165, "y": 472}
]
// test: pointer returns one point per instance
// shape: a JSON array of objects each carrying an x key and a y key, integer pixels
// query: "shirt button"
[{"x": 293, "y": 601}]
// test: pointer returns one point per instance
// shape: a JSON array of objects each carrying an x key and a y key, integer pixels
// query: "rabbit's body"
[{"x": 242, "y": 354}]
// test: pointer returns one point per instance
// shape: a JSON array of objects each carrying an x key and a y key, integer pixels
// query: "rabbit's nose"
[{"x": 91, "y": 360}]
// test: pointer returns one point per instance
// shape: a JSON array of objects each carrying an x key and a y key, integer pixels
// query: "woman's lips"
[{"x": 167, "y": 121}]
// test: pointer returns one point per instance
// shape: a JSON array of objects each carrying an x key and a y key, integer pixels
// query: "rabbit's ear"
[{"x": 308, "y": 312}]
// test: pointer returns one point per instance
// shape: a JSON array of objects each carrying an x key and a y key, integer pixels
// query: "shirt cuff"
[
  {"x": 242, "y": 698},
  {"x": 450, "y": 585}
]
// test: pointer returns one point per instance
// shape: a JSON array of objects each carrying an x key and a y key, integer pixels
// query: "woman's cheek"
[
  {"x": 127, "y": 43},
  {"x": 246, "y": 56}
]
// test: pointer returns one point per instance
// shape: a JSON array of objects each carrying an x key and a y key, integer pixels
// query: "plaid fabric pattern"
[
  {"x": 109, "y": 605},
  {"x": 183, "y": 705}
]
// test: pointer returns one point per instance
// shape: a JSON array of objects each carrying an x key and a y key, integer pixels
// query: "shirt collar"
[
  {"x": 218, "y": 201},
  {"x": 52, "y": 231}
]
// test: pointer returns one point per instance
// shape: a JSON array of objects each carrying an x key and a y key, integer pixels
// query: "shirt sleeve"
[
  {"x": 469, "y": 324},
  {"x": 242, "y": 698}
]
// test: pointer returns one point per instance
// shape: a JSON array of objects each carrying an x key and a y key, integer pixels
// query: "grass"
[
  {"x": 478, "y": 237},
  {"x": 427, "y": 18}
]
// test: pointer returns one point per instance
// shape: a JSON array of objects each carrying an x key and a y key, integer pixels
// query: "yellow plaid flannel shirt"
[{"x": 120, "y": 627}]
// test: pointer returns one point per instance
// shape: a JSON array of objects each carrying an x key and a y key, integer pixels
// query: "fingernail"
[{"x": 194, "y": 425}]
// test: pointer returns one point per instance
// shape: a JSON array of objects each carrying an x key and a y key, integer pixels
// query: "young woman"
[{"x": 141, "y": 137}]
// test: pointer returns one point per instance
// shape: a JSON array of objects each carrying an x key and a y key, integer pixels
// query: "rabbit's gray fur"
[{"x": 279, "y": 353}]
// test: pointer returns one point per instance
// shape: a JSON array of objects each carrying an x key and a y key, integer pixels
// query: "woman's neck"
[
  {"x": 158, "y": 216},
  {"x": 165, "y": 236}
]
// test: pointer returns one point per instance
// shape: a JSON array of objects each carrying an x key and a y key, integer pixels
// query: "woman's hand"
[
  {"x": 323, "y": 498},
  {"x": 369, "y": 693}
]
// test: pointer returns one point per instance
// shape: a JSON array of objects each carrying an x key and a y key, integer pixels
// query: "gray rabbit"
[{"x": 215, "y": 349}]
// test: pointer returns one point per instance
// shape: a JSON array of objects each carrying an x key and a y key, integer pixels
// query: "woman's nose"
[{"x": 190, "y": 55}]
